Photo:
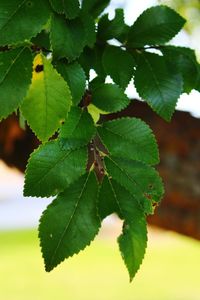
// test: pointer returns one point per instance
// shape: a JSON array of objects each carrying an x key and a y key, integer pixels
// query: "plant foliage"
[{"x": 92, "y": 168}]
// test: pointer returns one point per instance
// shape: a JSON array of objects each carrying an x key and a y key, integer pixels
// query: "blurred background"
[{"x": 171, "y": 268}]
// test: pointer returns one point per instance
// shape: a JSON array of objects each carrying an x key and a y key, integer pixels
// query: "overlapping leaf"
[
  {"x": 109, "y": 98},
  {"x": 67, "y": 37},
  {"x": 119, "y": 65},
  {"x": 22, "y": 19},
  {"x": 75, "y": 78},
  {"x": 15, "y": 79},
  {"x": 142, "y": 181},
  {"x": 48, "y": 100},
  {"x": 70, "y": 8},
  {"x": 133, "y": 241},
  {"x": 51, "y": 169},
  {"x": 70, "y": 222},
  {"x": 129, "y": 138},
  {"x": 156, "y": 25},
  {"x": 78, "y": 129},
  {"x": 157, "y": 85},
  {"x": 115, "y": 28},
  {"x": 183, "y": 60},
  {"x": 94, "y": 7}
]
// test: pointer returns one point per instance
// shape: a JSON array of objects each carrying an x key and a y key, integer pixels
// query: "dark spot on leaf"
[
  {"x": 39, "y": 68},
  {"x": 29, "y": 3}
]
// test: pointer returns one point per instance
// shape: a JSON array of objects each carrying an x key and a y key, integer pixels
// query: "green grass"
[{"x": 171, "y": 271}]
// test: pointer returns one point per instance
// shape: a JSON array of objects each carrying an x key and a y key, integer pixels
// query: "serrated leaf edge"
[
  {"x": 77, "y": 252},
  {"x": 151, "y": 133},
  {"x": 37, "y": 150}
]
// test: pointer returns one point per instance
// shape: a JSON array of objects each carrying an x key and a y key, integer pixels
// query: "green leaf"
[
  {"x": 22, "y": 19},
  {"x": 92, "y": 59},
  {"x": 70, "y": 8},
  {"x": 70, "y": 222},
  {"x": 67, "y": 37},
  {"x": 156, "y": 25},
  {"x": 106, "y": 200},
  {"x": 42, "y": 40},
  {"x": 48, "y": 100},
  {"x": 15, "y": 78},
  {"x": 90, "y": 30},
  {"x": 122, "y": 71},
  {"x": 78, "y": 129},
  {"x": 142, "y": 181},
  {"x": 115, "y": 28},
  {"x": 51, "y": 169},
  {"x": 133, "y": 243},
  {"x": 182, "y": 60},
  {"x": 109, "y": 98},
  {"x": 75, "y": 77},
  {"x": 130, "y": 138},
  {"x": 157, "y": 85},
  {"x": 94, "y": 7}
]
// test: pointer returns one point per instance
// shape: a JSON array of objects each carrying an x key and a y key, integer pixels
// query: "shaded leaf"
[
  {"x": 142, "y": 181},
  {"x": 75, "y": 78},
  {"x": 109, "y": 98},
  {"x": 22, "y": 19},
  {"x": 115, "y": 28},
  {"x": 157, "y": 85},
  {"x": 78, "y": 129},
  {"x": 119, "y": 65},
  {"x": 67, "y": 37},
  {"x": 183, "y": 60},
  {"x": 70, "y": 8},
  {"x": 15, "y": 79},
  {"x": 94, "y": 7}
]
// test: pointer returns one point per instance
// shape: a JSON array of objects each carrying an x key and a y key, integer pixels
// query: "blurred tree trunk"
[{"x": 179, "y": 143}]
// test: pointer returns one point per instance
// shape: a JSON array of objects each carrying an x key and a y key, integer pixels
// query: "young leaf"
[
  {"x": 183, "y": 60},
  {"x": 48, "y": 100},
  {"x": 51, "y": 169},
  {"x": 156, "y": 25},
  {"x": 15, "y": 78},
  {"x": 109, "y": 98},
  {"x": 67, "y": 37},
  {"x": 130, "y": 138},
  {"x": 122, "y": 71},
  {"x": 78, "y": 129},
  {"x": 142, "y": 181},
  {"x": 22, "y": 19},
  {"x": 70, "y": 8},
  {"x": 94, "y": 7},
  {"x": 70, "y": 222},
  {"x": 157, "y": 85},
  {"x": 75, "y": 78}
]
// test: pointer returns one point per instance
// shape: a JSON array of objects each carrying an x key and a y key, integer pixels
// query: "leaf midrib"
[{"x": 69, "y": 222}]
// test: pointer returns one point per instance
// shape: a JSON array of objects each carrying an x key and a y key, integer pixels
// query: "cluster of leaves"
[{"x": 94, "y": 169}]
